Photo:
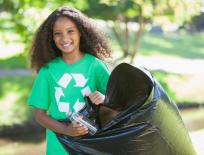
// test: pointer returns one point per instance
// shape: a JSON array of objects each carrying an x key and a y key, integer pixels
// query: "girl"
[{"x": 66, "y": 53}]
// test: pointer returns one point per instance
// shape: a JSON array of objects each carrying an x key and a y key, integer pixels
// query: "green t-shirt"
[{"x": 60, "y": 88}]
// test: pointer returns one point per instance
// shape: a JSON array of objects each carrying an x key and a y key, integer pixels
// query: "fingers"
[
  {"x": 76, "y": 129},
  {"x": 96, "y": 97},
  {"x": 80, "y": 129}
]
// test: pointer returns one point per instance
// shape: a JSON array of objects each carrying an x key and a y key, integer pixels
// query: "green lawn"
[
  {"x": 13, "y": 100},
  {"x": 179, "y": 45},
  {"x": 182, "y": 88},
  {"x": 17, "y": 61},
  {"x": 14, "y": 90}
]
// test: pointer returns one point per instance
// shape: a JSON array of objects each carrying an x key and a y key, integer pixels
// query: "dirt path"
[
  {"x": 163, "y": 63},
  {"x": 171, "y": 64},
  {"x": 32, "y": 144},
  {"x": 14, "y": 72},
  {"x": 197, "y": 138}
]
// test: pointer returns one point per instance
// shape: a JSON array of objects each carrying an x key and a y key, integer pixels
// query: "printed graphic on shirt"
[
  {"x": 62, "y": 106},
  {"x": 79, "y": 79},
  {"x": 64, "y": 82},
  {"x": 86, "y": 91}
]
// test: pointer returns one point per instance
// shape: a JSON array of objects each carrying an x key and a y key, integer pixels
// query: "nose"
[{"x": 65, "y": 38}]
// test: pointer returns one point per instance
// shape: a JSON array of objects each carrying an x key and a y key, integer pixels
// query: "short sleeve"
[
  {"x": 102, "y": 76},
  {"x": 40, "y": 95}
]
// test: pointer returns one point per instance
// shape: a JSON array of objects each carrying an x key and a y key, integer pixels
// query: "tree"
[
  {"x": 22, "y": 17},
  {"x": 19, "y": 16},
  {"x": 142, "y": 12}
]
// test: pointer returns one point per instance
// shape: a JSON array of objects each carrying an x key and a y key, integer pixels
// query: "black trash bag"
[{"x": 136, "y": 118}]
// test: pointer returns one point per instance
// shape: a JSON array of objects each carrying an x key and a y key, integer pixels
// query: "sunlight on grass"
[
  {"x": 14, "y": 92},
  {"x": 20, "y": 147},
  {"x": 190, "y": 114},
  {"x": 7, "y": 116},
  {"x": 174, "y": 44},
  {"x": 8, "y": 149},
  {"x": 193, "y": 119},
  {"x": 197, "y": 139},
  {"x": 14, "y": 62},
  {"x": 11, "y": 55},
  {"x": 10, "y": 50},
  {"x": 10, "y": 45},
  {"x": 158, "y": 41},
  {"x": 182, "y": 88},
  {"x": 187, "y": 88}
]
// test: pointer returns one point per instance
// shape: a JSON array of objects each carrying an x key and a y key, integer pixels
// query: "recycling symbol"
[{"x": 64, "y": 81}]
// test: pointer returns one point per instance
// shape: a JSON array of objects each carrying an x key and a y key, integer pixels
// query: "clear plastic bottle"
[{"x": 79, "y": 118}]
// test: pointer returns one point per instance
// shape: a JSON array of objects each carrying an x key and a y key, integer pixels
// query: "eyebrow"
[{"x": 67, "y": 28}]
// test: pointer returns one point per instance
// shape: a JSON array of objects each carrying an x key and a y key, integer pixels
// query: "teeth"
[{"x": 66, "y": 45}]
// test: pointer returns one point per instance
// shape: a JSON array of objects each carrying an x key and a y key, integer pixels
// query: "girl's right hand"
[{"x": 76, "y": 129}]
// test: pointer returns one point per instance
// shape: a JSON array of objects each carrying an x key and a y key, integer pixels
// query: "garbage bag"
[{"x": 137, "y": 117}]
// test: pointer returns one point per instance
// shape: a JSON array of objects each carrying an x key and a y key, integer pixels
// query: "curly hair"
[{"x": 92, "y": 41}]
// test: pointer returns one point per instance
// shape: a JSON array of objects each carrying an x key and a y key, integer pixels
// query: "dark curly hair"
[{"x": 92, "y": 40}]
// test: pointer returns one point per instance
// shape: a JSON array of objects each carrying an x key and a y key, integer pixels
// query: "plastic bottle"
[{"x": 79, "y": 118}]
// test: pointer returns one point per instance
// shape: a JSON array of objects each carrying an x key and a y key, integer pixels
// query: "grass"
[
  {"x": 178, "y": 44},
  {"x": 190, "y": 114},
  {"x": 23, "y": 144},
  {"x": 14, "y": 90},
  {"x": 181, "y": 45},
  {"x": 193, "y": 118},
  {"x": 13, "y": 100},
  {"x": 182, "y": 88},
  {"x": 14, "y": 62}
]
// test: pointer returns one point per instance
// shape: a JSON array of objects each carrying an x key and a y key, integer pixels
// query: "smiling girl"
[{"x": 67, "y": 53}]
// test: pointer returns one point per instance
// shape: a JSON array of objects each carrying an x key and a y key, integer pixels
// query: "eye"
[
  {"x": 70, "y": 31},
  {"x": 56, "y": 33}
]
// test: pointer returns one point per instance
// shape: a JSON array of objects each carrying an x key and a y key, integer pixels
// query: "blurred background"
[{"x": 165, "y": 36}]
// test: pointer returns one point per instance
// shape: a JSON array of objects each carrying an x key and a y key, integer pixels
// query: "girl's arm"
[{"x": 72, "y": 130}]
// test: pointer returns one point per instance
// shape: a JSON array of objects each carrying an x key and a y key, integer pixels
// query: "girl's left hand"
[{"x": 97, "y": 98}]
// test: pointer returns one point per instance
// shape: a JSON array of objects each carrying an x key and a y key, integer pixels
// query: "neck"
[{"x": 72, "y": 58}]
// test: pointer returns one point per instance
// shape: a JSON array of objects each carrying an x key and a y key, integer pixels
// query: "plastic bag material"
[{"x": 137, "y": 117}]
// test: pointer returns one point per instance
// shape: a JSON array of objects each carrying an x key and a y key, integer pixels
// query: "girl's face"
[{"x": 66, "y": 36}]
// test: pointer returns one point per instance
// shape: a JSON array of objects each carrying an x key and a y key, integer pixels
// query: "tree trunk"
[
  {"x": 122, "y": 37},
  {"x": 138, "y": 37}
]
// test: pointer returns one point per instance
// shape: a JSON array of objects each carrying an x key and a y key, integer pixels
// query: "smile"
[{"x": 66, "y": 45}]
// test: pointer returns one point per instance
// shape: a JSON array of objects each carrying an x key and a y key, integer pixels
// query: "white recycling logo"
[{"x": 80, "y": 81}]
